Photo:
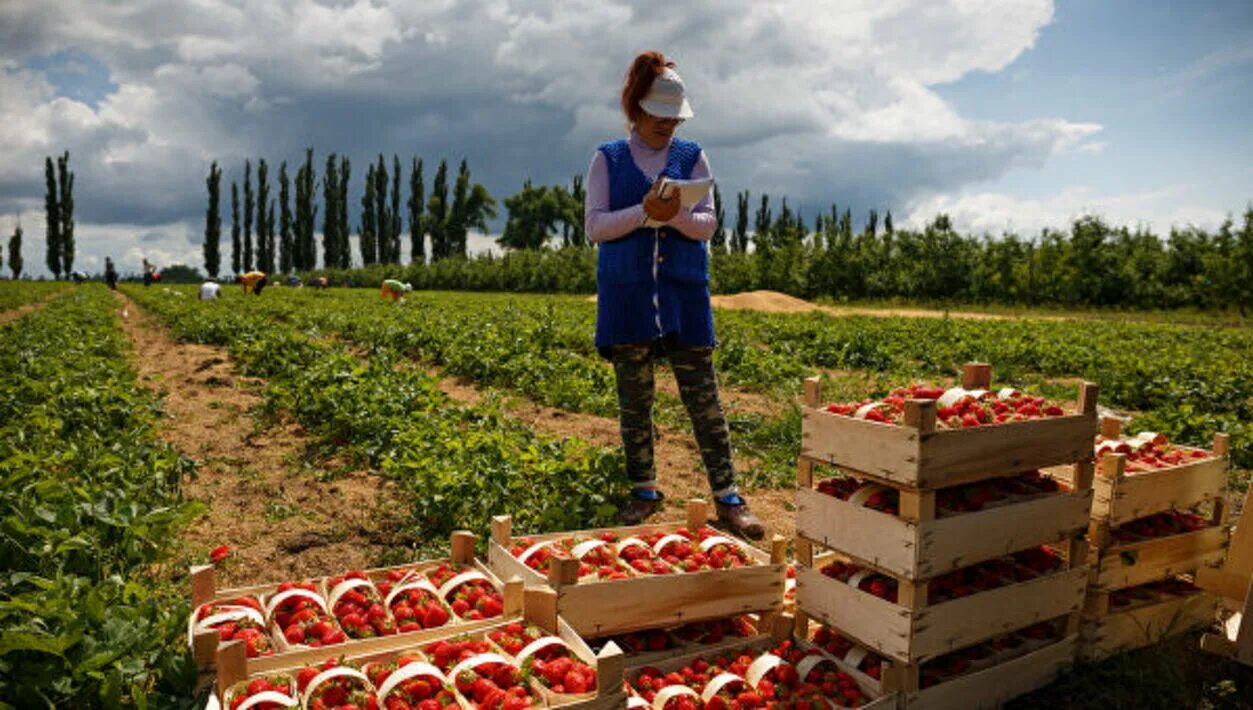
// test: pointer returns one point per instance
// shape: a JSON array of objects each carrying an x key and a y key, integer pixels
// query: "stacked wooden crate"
[
  {"x": 1141, "y": 591},
  {"x": 914, "y": 546},
  {"x": 596, "y": 608}
]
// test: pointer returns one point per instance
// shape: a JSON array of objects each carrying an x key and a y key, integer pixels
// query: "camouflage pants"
[{"x": 698, "y": 388}]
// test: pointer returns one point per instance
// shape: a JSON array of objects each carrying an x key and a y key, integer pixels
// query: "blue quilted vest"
[{"x": 652, "y": 282}]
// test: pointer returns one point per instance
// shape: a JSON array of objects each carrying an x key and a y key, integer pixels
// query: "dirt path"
[
  {"x": 265, "y": 500},
  {"x": 677, "y": 457},
  {"x": 776, "y": 302},
  {"x": 14, "y": 313}
]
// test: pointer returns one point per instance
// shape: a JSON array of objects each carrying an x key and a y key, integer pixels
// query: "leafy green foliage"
[
  {"x": 460, "y": 465},
  {"x": 90, "y": 502},
  {"x": 19, "y": 293}
]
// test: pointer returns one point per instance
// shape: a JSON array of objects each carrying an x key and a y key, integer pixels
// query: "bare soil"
[
  {"x": 679, "y": 470},
  {"x": 266, "y": 499},
  {"x": 776, "y": 302},
  {"x": 14, "y": 313}
]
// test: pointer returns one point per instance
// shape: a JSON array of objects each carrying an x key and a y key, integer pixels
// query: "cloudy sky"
[{"x": 1007, "y": 114}]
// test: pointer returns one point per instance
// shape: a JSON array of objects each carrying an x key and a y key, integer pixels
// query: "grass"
[{"x": 1173, "y": 674}]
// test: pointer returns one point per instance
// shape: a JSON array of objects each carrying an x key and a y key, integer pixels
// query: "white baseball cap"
[{"x": 666, "y": 98}]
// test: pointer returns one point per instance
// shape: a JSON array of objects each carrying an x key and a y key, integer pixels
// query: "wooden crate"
[
  {"x": 913, "y": 633},
  {"x": 925, "y": 546},
  {"x": 204, "y": 590},
  {"x": 882, "y": 698},
  {"x": 991, "y": 687},
  {"x": 604, "y": 608},
  {"x": 1121, "y": 497},
  {"x": 539, "y": 608},
  {"x": 1127, "y": 565},
  {"x": 918, "y": 455},
  {"x": 1106, "y": 632}
]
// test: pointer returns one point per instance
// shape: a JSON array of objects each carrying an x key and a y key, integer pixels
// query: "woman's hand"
[{"x": 657, "y": 208}]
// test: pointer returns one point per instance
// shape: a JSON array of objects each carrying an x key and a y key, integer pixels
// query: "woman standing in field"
[{"x": 652, "y": 286}]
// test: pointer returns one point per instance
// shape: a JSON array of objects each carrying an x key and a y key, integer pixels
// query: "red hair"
[{"x": 644, "y": 70}]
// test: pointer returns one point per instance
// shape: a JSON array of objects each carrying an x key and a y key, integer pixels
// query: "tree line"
[
  {"x": 288, "y": 245},
  {"x": 1091, "y": 263},
  {"x": 765, "y": 245}
]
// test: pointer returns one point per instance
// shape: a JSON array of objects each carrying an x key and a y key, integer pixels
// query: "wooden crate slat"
[
  {"x": 911, "y": 635},
  {"x": 922, "y": 550},
  {"x": 962, "y": 540},
  {"x": 961, "y": 622},
  {"x": 883, "y": 540},
  {"x": 1005, "y": 448},
  {"x": 890, "y": 452},
  {"x": 1138, "y": 563},
  {"x": 647, "y": 601},
  {"x": 608, "y": 608},
  {"x": 905, "y": 456},
  {"x": 993, "y": 686},
  {"x": 876, "y": 623},
  {"x": 1121, "y": 499},
  {"x": 1146, "y": 625}
]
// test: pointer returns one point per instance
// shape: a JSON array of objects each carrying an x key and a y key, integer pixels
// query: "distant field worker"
[
  {"x": 395, "y": 289},
  {"x": 253, "y": 282},
  {"x": 209, "y": 290},
  {"x": 320, "y": 282},
  {"x": 652, "y": 286}
]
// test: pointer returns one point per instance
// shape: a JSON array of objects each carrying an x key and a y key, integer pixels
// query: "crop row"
[
  {"x": 19, "y": 293},
  {"x": 459, "y": 465},
  {"x": 1186, "y": 381},
  {"x": 89, "y": 503}
]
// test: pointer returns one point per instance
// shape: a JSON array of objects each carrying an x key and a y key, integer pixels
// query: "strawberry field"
[{"x": 95, "y": 518}]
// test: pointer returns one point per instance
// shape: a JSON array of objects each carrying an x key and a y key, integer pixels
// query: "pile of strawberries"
[
  {"x": 473, "y": 600},
  {"x": 992, "y": 574},
  {"x": 446, "y": 653},
  {"x": 880, "y": 585},
  {"x": 265, "y": 684},
  {"x": 495, "y": 686},
  {"x": 687, "y": 556},
  {"x": 600, "y": 562},
  {"x": 514, "y": 637},
  {"x": 420, "y": 693},
  {"x": 1171, "y": 522},
  {"x": 997, "y": 650},
  {"x": 715, "y": 631},
  {"x": 981, "y": 577},
  {"x": 638, "y": 642},
  {"x": 967, "y": 409},
  {"x": 360, "y": 610},
  {"x": 887, "y": 500},
  {"x": 414, "y": 608},
  {"x": 256, "y": 643},
  {"x": 1153, "y": 591},
  {"x": 301, "y": 621},
  {"x": 642, "y": 559},
  {"x": 341, "y": 693},
  {"x": 564, "y": 674},
  {"x": 781, "y": 687},
  {"x": 1148, "y": 452},
  {"x": 966, "y": 498},
  {"x": 833, "y": 643},
  {"x": 973, "y": 497}
]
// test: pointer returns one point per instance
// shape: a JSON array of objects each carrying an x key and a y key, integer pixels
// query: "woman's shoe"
[
  {"x": 637, "y": 510},
  {"x": 740, "y": 520}
]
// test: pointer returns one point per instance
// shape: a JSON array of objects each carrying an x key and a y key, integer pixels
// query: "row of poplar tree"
[
  {"x": 59, "y": 213},
  {"x": 259, "y": 242}
]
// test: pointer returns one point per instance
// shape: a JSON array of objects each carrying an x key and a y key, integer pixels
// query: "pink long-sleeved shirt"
[{"x": 602, "y": 225}]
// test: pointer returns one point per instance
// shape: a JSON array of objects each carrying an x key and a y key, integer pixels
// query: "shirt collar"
[{"x": 639, "y": 146}]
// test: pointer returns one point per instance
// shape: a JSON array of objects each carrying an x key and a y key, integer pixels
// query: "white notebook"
[{"x": 690, "y": 192}]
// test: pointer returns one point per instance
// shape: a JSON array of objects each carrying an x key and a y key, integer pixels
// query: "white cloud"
[
  {"x": 816, "y": 100},
  {"x": 995, "y": 213}
]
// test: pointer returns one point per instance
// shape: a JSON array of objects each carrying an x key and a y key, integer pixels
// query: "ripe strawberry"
[{"x": 219, "y": 553}]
